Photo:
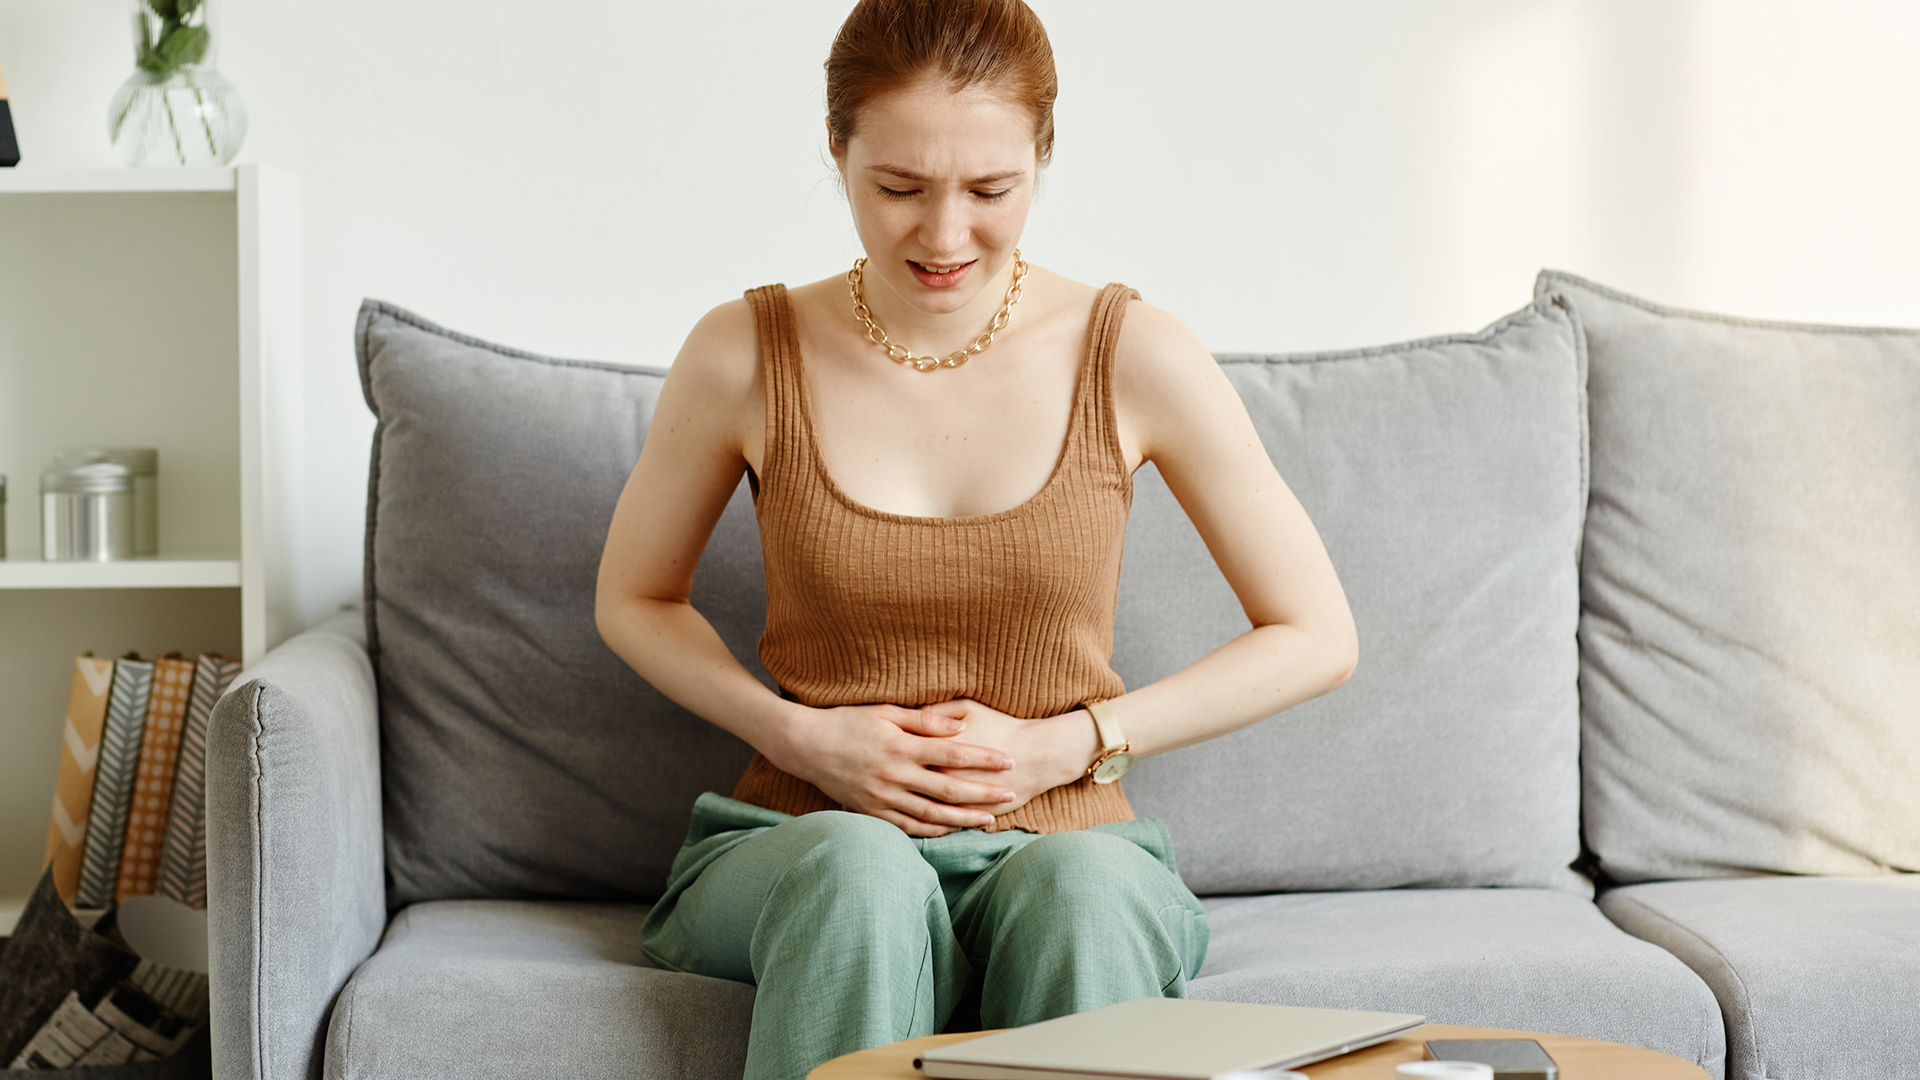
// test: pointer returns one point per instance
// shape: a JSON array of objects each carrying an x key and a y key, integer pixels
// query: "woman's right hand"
[{"x": 884, "y": 760}]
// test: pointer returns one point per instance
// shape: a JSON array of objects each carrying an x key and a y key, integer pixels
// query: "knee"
[
  {"x": 1079, "y": 872},
  {"x": 854, "y": 859},
  {"x": 1108, "y": 898}
]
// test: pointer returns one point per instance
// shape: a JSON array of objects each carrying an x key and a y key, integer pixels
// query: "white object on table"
[{"x": 1451, "y": 1070}]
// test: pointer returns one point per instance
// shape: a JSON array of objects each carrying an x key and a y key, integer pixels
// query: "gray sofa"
[{"x": 1639, "y": 602}]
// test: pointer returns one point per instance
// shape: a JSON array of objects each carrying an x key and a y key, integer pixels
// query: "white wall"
[{"x": 585, "y": 177}]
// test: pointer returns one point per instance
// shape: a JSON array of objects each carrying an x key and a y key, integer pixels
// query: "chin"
[
  {"x": 937, "y": 300},
  {"x": 942, "y": 299}
]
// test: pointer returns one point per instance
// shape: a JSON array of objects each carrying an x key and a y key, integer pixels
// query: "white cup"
[{"x": 1450, "y": 1070}]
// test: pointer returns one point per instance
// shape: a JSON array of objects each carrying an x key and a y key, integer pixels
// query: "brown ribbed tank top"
[{"x": 1012, "y": 609}]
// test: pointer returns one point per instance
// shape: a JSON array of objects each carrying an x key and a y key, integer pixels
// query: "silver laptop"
[{"x": 1165, "y": 1039}]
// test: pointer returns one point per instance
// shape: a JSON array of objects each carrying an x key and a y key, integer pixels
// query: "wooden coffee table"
[{"x": 1579, "y": 1059}]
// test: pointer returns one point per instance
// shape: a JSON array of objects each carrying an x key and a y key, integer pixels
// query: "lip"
[{"x": 942, "y": 281}]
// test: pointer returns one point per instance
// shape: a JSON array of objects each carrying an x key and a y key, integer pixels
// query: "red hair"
[{"x": 888, "y": 45}]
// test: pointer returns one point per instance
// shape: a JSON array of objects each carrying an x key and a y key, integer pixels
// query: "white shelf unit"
[
  {"x": 152, "y": 308},
  {"x": 176, "y": 573}
]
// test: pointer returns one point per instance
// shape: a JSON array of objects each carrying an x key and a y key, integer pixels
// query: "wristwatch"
[{"x": 1116, "y": 755}]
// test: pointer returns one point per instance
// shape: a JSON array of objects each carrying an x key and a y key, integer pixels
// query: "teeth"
[{"x": 940, "y": 269}]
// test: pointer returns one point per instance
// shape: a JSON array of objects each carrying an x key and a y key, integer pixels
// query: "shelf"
[
  {"x": 173, "y": 573},
  {"x": 29, "y": 181},
  {"x": 141, "y": 307}
]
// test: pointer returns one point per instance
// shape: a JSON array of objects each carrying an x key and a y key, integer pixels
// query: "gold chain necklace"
[{"x": 901, "y": 354}]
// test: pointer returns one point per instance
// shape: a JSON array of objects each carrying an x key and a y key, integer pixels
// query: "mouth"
[{"x": 940, "y": 275}]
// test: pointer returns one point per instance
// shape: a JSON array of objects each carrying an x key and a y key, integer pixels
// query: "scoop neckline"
[{"x": 819, "y": 461}]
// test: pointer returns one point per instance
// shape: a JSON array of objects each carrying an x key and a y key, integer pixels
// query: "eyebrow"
[{"x": 909, "y": 174}]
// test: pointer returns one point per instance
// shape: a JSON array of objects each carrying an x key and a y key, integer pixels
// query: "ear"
[{"x": 839, "y": 152}]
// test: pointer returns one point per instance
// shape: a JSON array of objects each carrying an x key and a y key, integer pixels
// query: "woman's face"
[{"x": 940, "y": 184}]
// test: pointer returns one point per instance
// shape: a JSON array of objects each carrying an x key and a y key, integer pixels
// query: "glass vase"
[{"x": 175, "y": 109}]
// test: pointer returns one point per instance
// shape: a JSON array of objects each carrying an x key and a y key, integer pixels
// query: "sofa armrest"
[{"x": 296, "y": 892}]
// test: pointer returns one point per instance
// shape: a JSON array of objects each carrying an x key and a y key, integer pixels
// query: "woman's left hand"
[{"x": 1047, "y": 751}]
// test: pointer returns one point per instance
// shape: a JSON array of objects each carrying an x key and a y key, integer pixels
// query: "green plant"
[
  {"x": 168, "y": 35},
  {"x": 179, "y": 40}
]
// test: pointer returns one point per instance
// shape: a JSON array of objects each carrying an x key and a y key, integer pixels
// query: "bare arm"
[
  {"x": 871, "y": 758},
  {"x": 1177, "y": 409}
]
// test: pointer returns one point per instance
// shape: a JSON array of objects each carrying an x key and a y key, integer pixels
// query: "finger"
[
  {"x": 991, "y": 810},
  {"x": 933, "y": 722},
  {"x": 947, "y": 754},
  {"x": 947, "y": 792},
  {"x": 939, "y": 812},
  {"x": 911, "y": 826},
  {"x": 987, "y": 781}
]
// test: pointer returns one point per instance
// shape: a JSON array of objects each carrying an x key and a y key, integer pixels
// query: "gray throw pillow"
[
  {"x": 1750, "y": 632},
  {"x": 519, "y": 756},
  {"x": 1448, "y": 479}
]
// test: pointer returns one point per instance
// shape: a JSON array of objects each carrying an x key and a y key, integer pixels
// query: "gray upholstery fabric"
[
  {"x": 1447, "y": 478},
  {"x": 1531, "y": 959},
  {"x": 522, "y": 757},
  {"x": 1750, "y": 637},
  {"x": 472, "y": 989},
  {"x": 525, "y": 759},
  {"x": 1819, "y": 978},
  {"x": 294, "y": 892}
]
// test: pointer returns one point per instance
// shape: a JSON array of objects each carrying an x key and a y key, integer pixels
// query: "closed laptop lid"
[{"x": 1166, "y": 1039}]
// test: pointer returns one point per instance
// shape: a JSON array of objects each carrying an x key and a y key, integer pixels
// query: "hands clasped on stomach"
[{"x": 953, "y": 765}]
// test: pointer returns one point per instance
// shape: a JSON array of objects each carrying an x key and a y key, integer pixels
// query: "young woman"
[{"x": 941, "y": 445}]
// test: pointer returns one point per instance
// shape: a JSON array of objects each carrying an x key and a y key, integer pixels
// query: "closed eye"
[
  {"x": 894, "y": 193},
  {"x": 993, "y": 196}
]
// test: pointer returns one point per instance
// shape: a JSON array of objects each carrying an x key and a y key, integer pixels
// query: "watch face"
[{"x": 1113, "y": 768}]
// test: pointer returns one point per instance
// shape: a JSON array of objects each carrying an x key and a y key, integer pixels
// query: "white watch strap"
[{"x": 1108, "y": 727}]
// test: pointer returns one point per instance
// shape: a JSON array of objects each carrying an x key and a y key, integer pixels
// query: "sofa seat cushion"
[
  {"x": 1533, "y": 959},
  {"x": 471, "y": 989},
  {"x": 1817, "y": 977}
]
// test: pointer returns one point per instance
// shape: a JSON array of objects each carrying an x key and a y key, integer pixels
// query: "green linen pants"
[{"x": 856, "y": 934}]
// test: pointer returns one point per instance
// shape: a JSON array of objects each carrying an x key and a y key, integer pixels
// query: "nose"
[{"x": 948, "y": 226}]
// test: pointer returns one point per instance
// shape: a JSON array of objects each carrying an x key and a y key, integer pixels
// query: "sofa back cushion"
[
  {"x": 522, "y": 758},
  {"x": 1750, "y": 628},
  {"x": 519, "y": 756},
  {"x": 1447, "y": 478}
]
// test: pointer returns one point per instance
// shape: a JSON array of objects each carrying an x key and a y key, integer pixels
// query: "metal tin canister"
[
  {"x": 86, "y": 513},
  {"x": 144, "y": 463}
]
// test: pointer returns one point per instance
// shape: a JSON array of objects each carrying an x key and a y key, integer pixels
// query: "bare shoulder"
[
  {"x": 1167, "y": 386},
  {"x": 722, "y": 346},
  {"x": 714, "y": 393},
  {"x": 829, "y": 292},
  {"x": 722, "y": 351},
  {"x": 1155, "y": 345},
  {"x": 1061, "y": 291}
]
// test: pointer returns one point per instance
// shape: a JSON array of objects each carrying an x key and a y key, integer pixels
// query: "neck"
[{"x": 934, "y": 333}]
